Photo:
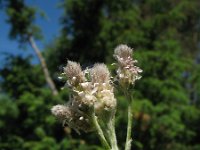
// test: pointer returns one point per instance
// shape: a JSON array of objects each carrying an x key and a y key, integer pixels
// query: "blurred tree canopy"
[
  {"x": 165, "y": 35},
  {"x": 21, "y": 18}
]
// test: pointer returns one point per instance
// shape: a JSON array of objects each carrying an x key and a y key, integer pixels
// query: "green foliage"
[
  {"x": 20, "y": 76},
  {"x": 9, "y": 111},
  {"x": 21, "y": 18}
]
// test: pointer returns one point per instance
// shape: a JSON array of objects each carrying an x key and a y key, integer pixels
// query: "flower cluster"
[
  {"x": 127, "y": 72},
  {"x": 92, "y": 104},
  {"x": 92, "y": 91}
]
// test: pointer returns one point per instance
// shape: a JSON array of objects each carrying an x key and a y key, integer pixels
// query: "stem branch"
[
  {"x": 113, "y": 139},
  {"x": 130, "y": 120},
  {"x": 100, "y": 132}
]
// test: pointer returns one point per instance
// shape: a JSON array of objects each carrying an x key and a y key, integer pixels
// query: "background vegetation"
[{"x": 165, "y": 35}]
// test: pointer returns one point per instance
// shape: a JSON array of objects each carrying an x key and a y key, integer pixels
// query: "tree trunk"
[{"x": 44, "y": 66}]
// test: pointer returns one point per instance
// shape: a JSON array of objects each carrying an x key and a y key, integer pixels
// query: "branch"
[{"x": 44, "y": 66}]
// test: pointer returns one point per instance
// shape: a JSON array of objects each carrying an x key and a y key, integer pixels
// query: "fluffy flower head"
[
  {"x": 73, "y": 118},
  {"x": 100, "y": 74},
  {"x": 61, "y": 112},
  {"x": 127, "y": 72},
  {"x": 74, "y": 73},
  {"x": 104, "y": 94},
  {"x": 123, "y": 51}
]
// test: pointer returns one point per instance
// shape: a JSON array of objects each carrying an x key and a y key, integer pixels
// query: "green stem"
[
  {"x": 129, "y": 126},
  {"x": 100, "y": 132},
  {"x": 113, "y": 139}
]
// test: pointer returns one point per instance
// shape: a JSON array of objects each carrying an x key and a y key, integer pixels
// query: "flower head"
[
  {"x": 123, "y": 51},
  {"x": 73, "y": 118},
  {"x": 127, "y": 72},
  {"x": 100, "y": 74},
  {"x": 61, "y": 112},
  {"x": 104, "y": 94},
  {"x": 74, "y": 73}
]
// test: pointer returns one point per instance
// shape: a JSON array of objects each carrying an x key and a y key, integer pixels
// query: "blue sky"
[{"x": 50, "y": 28}]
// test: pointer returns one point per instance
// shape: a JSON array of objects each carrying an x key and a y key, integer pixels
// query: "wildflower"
[
  {"x": 74, "y": 73},
  {"x": 100, "y": 77},
  {"x": 81, "y": 88},
  {"x": 72, "y": 117},
  {"x": 100, "y": 74},
  {"x": 127, "y": 72},
  {"x": 92, "y": 103},
  {"x": 84, "y": 97},
  {"x": 61, "y": 112}
]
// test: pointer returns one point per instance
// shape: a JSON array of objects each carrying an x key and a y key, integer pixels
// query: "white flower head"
[
  {"x": 105, "y": 99},
  {"x": 127, "y": 72},
  {"x": 72, "y": 117},
  {"x": 61, "y": 112},
  {"x": 100, "y": 73},
  {"x": 74, "y": 73},
  {"x": 123, "y": 51}
]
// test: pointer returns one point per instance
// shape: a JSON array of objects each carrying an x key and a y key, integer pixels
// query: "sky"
[{"x": 50, "y": 27}]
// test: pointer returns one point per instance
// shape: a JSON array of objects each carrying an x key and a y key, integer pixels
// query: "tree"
[
  {"x": 21, "y": 18},
  {"x": 17, "y": 77}
]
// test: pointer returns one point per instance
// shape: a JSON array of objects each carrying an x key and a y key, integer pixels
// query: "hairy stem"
[
  {"x": 130, "y": 120},
  {"x": 112, "y": 134},
  {"x": 100, "y": 132}
]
